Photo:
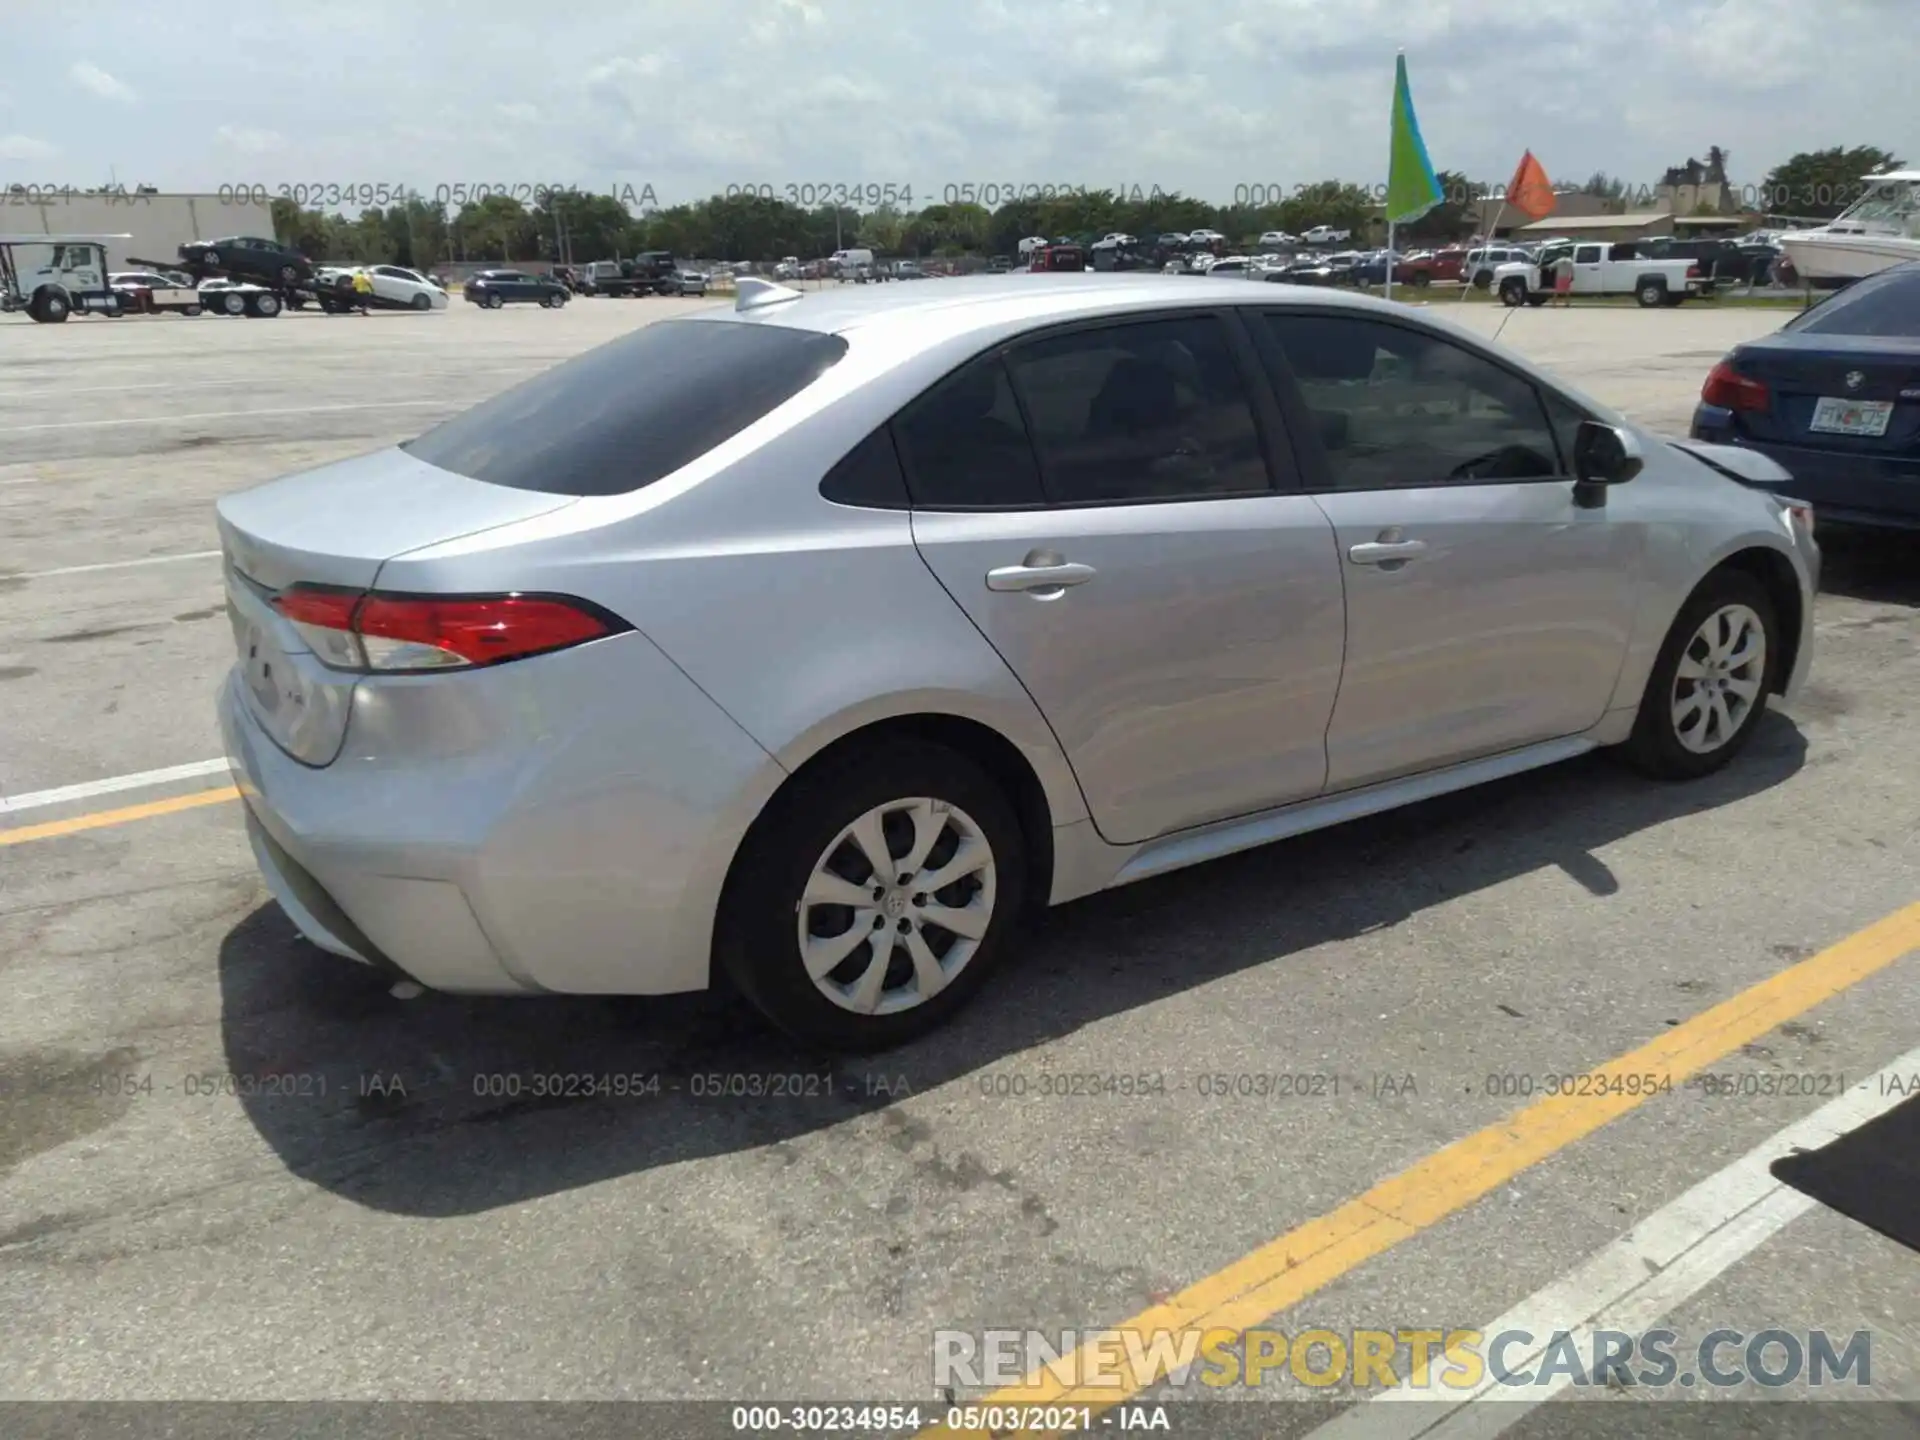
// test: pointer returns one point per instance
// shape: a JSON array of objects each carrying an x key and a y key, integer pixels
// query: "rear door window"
[
  {"x": 633, "y": 411},
  {"x": 1149, "y": 410},
  {"x": 965, "y": 443}
]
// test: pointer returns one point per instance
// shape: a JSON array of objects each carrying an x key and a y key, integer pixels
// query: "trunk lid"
[
  {"x": 336, "y": 526},
  {"x": 1802, "y": 370}
]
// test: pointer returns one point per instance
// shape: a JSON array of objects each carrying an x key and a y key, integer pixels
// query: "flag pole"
[
  {"x": 1492, "y": 231},
  {"x": 1388, "y": 292},
  {"x": 1412, "y": 189}
]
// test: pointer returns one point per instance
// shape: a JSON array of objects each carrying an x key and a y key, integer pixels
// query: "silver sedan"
[{"x": 815, "y": 640}]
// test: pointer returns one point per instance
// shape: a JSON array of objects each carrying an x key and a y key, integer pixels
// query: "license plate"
[{"x": 1834, "y": 416}]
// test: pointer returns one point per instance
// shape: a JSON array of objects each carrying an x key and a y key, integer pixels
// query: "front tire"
[
  {"x": 843, "y": 955},
  {"x": 422, "y": 302},
  {"x": 1710, "y": 682},
  {"x": 1513, "y": 293}
]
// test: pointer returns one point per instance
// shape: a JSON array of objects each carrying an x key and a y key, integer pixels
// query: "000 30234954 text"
[{"x": 370, "y": 194}]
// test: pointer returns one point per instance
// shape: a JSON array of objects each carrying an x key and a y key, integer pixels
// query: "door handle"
[
  {"x": 1055, "y": 576},
  {"x": 1386, "y": 552}
]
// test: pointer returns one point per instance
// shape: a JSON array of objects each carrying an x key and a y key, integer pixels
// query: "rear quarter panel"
[{"x": 802, "y": 619}]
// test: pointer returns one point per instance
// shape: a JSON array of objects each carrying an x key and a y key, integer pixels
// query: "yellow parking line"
[
  {"x": 53, "y": 829},
  {"x": 1306, "y": 1259}
]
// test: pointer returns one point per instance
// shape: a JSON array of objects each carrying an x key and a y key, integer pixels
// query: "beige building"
[
  {"x": 1637, "y": 225},
  {"x": 1492, "y": 217},
  {"x": 157, "y": 224}
]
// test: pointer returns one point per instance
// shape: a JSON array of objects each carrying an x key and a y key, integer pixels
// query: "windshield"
[{"x": 1889, "y": 203}]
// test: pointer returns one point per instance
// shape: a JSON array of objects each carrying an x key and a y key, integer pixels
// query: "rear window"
[
  {"x": 631, "y": 412},
  {"x": 1885, "y": 305}
]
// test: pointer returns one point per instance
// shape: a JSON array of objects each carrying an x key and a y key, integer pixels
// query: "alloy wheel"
[
  {"x": 1720, "y": 678},
  {"x": 896, "y": 906}
]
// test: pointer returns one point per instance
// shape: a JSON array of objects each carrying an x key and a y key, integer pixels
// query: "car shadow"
[
  {"x": 443, "y": 1106},
  {"x": 1873, "y": 565}
]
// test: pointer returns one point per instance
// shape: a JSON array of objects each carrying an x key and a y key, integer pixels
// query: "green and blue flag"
[{"x": 1412, "y": 187}]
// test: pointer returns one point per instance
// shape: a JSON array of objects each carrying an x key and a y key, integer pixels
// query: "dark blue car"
[{"x": 1834, "y": 396}]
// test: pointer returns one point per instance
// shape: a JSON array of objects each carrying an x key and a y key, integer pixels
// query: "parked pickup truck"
[{"x": 1601, "y": 269}]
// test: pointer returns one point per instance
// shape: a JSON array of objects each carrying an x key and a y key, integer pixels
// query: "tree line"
[{"x": 580, "y": 227}]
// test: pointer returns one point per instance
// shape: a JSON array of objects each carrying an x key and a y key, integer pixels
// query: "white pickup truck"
[{"x": 1600, "y": 269}]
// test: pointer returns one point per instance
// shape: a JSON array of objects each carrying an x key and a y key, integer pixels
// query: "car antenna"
[{"x": 755, "y": 292}]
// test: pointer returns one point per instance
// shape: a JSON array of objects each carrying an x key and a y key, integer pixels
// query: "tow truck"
[
  {"x": 236, "y": 293},
  {"x": 74, "y": 277}
]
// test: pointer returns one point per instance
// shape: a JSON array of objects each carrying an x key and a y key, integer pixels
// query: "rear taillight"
[
  {"x": 1730, "y": 390},
  {"x": 1693, "y": 272},
  {"x": 389, "y": 634}
]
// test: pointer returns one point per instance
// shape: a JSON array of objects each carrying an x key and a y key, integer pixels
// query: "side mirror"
[{"x": 1605, "y": 455}]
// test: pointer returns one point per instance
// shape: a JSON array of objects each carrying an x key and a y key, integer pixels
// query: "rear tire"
[
  {"x": 191, "y": 310},
  {"x": 1651, "y": 294},
  {"x": 801, "y": 848},
  {"x": 1726, "y": 640}
]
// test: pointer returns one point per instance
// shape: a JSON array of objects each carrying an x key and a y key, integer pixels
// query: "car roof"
[{"x": 983, "y": 303}]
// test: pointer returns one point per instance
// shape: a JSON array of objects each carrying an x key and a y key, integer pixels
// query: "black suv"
[
  {"x": 491, "y": 289},
  {"x": 247, "y": 257}
]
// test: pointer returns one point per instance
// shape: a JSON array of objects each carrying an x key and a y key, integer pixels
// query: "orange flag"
[{"x": 1530, "y": 192}]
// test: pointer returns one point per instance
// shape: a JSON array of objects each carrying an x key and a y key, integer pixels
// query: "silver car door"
[
  {"x": 1111, "y": 527},
  {"x": 1486, "y": 607}
]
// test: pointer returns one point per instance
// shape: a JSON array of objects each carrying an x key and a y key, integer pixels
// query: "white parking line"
[
  {"x": 114, "y": 565},
  {"x": 233, "y": 415},
  {"x": 1666, "y": 1259},
  {"x": 35, "y": 799}
]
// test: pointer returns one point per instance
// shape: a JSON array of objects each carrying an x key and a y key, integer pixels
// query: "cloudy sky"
[{"x": 689, "y": 96}]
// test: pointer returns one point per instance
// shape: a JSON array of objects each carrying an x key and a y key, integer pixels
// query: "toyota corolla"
[{"x": 814, "y": 640}]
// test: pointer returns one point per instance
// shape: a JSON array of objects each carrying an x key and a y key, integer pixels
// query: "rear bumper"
[
  {"x": 328, "y": 881},
  {"x": 1866, "y": 490},
  {"x": 567, "y": 828}
]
